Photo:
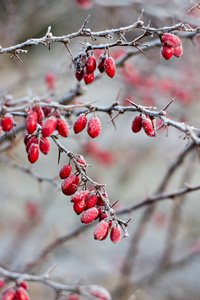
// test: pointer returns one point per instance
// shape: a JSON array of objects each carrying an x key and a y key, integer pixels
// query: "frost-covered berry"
[
  {"x": 91, "y": 64},
  {"x": 89, "y": 215},
  {"x": 167, "y": 52},
  {"x": 109, "y": 66},
  {"x": 80, "y": 196},
  {"x": 7, "y": 122},
  {"x": 94, "y": 127},
  {"x": 65, "y": 171},
  {"x": 44, "y": 145},
  {"x": 62, "y": 127},
  {"x": 101, "y": 231},
  {"x": 80, "y": 123},
  {"x": 33, "y": 153},
  {"x": 49, "y": 126},
  {"x": 137, "y": 124},
  {"x": 115, "y": 234}
]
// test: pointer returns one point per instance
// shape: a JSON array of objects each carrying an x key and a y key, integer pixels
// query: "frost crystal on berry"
[{"x": 49, "y": 126}]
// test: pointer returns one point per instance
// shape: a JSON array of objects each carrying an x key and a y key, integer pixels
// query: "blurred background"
[{"x": 160, "y": 259}]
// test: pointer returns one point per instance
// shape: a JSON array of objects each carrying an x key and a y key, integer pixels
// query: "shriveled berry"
[
  {"x": 62, "y": 127},
  {"x": 79, "y": 207},
  {"x": 31, "y": 122},
  {"x": 72, "y": 297},
  {"x": 49, "y": 126},
  {"x": 101, "y": 63},
  {"x": 33, "y": 153},
  {"x": 115, "y": 234},
  {"x": 7, "y": 122},
  {"x": 79, "y": 75},
  {"x": 91, "y": 64},
  {"x": 100, "y": 201},
  {"x": 80, "y": 123},
  {"x": 170, "y": 40},
  {"x": 40, "y": 114},
  {"x": 167, "y": 52},
  {"x": 24, "y": 285},
  {"x": 21, "y": 294},
  {"x": 178, "y": 51},
  {"x": 65, "y": 171},
  {"x": 137, "y": 124},
  {"x": 89, "y": 215},
  {"x": 99, "y": 292},
  {"x": 44, "y": 145},
  {"x": 94, "y": 127},
  {"x": 89, "y": 77},
  {"x": 32, "y": 140},
  {"x": 91, "y": 201},
  {"x": 109, "y": 66},
  {"x": 2, "y": 282},
  {"x": 9, "y": 294},
  {"x": 101, "y": 230},
  {"x": 80, "y": 196},
  {"x": 70, "y": 184},
  {"x": 148, "y": 126}
]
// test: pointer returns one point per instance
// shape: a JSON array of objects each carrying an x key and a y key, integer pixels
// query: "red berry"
[
  {"x": 91, "y": 64},
  {"x": 80, "y": 123},
  {"x": 84, "y": 4},
  {"x": 44, "y": 145},
  {"x": 26, "y": 138},
  {"x": 50, "y": 81},
  {"x": 178, "y": 51},
  {"x": 90, "y": 201},
  {"x": 89, "y": 215},
  {"x": 31, "y": 122},
  {"x": 109, "y": 66},
  {"x": 39, "y": 112},
  {"x": 137, "y": 124},
  {"x": 100, "y": 201},
  {"x": 9, "y": 294},
  {"x": 62, "y": 127},
  {"x": 115, "y": 234},
  {"x": 32, "y": 140},
  {"x": 101, "y": 63},
  {"x": 101, "y": 231},
  {"x": 70, "y": 185},
  {"x": 33, "y": 153},
  {"x": 103, "y": 215},
  {"x": 79, "y": 75},
  {"x": 49, "y": 126},
  {"x": 73, "y": 297},
  {"x": 80, "y": 196},
  {"x": 167, "y": 52},
  {"x": 7, "y": 122},
  {"x": 170, "y": 40},
  {"x": 21, "y": 294},
  {"x": 89, "y": 77},
  {"x": 79, "y": 207},
  {"x": 65, "y": 171},
  {"x": 148, "y": 126},
  {"x": 99, "y": 292},
  {"x": 94, "y": 127},
  {"x": 2, "y": 282},
  {"x": 24, "y": 285}
]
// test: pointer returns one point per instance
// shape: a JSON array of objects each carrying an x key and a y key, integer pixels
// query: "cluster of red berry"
[
  {"x": 171, "y": 45},
  {"x": 35, "y": 125},
  {"x": 18, "y": 293},
  {"x": 145, "y": 122},
  {"x": 85, "y": 67},
  {"x": 6, "y": 123},
  {"x": 88, "y": 203},
  {"x": 93, "y": 127}
]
